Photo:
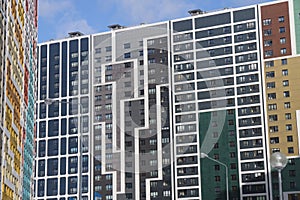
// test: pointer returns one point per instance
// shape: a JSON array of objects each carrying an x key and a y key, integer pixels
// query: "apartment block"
[
  {"x": 189, "y": 108},
  {"x": 18, "y": 59}
]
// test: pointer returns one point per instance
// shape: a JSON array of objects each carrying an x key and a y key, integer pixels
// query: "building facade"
[
  {"x": 135, "y": 109},
  {"x": 18, "y": 59}
]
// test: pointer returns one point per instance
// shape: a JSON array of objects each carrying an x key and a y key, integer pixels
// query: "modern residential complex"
[
  {"x": 170, "y": 110},
  {"x": 18, "y": 61}
]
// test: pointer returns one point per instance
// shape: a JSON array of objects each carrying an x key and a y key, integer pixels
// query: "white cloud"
[
  {"x": 238, "y": 3},
  {"x": 52, "y": 8},
  {"x": 155, "y": 10},
  {"x": 63, "y": 17},
  {"x": 67, "y": 26}
]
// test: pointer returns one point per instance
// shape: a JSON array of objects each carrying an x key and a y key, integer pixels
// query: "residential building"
[
  {"x": 18, "y": 59},
  {"x": 135, "y": 107}
]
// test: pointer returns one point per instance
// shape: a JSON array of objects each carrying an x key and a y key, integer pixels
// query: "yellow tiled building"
[
  {"x": 282, "y": 100},
  {"x": 18, "y": 41}
]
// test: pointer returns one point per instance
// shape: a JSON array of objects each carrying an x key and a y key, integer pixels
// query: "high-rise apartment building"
[
  {"x": 18, "y": 59},
  {"x": 168, "y": 110}
]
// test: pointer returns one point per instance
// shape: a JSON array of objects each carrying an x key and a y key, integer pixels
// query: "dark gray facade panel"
[
  {"x": 185, "y": 25},
  {"x": 64, "y": 70},
  {"x": 243, "y": 15},
  {"x": 214, "y": 20}
]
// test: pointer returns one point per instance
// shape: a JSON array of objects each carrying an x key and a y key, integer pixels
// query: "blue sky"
[{"x": 59, "y": 17}]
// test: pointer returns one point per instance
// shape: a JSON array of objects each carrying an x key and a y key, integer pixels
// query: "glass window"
[
  {"x": 281, "y": 19},
  {"x": 287, "y": 105},
  {"x": 288, "y": 116},
  {"x": 283, "y": 61},
  {"x": 286, "y": 94},
  {"x": 126, "y": 45},
  {"x": 282, "y": 30},
  {"x": 283, "y": 50},
  {"x": 269, "y": 64},
  {"x": 271, "y": 85},
  {"x": 273, "y": 118},
  {"x": 267, "y": 32},
  {"x": 268, "y": 43},
  {"x": 285, "y": 83},
  {"x": 108, "y": 58},
  {"x": 267, "y": 22},
  {"x": 290, "y": 149},
  {"x": 282, "y": 40},
  {"x": 270, "y": 74},
  {"x": 289, "y": 138},
  {"x": 288, "y": 127},
  {"x": 272, "y": 107},
  {"x": 285, "y": 72},
  {"x": 108, "y": 48},
  {"x": 127, "y": 55},
  {"x": 268, "y": 53},
  {"x": 98, "y": 50},
  {"x": 271, "y": 96}
]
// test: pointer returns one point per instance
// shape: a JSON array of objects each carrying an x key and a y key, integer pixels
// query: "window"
[
  {"x": 273, "y": 118},
  {"x": 232, "y": 154},
  {"x": 283, "y": 50},
  {"x": 226, "y": 29},
  {"x": 271, "y": 85},
  {"x": 154, "y": 194},
  {"x": 267, "y": 22},
  {"x": 273, "y": 129},
  {"x": 233, "y": 177},
  {"x": 166, "y": 193},
  {"x": 269, "y": 64},
  {"x": 108, "y": 77},
  {"x": 267, "y": 32},
  {"x": 107, "y": 58},
  {"x": 282, "y": 40},
  {"x": 281, "y": 19},
  {"x": 282, "y": 30},
  {"x": 286, "y": 94},
  {"x": 272, "y": 107},
  {"x": 126, "y": 45},
  {"x": 151, "y": 60},
  {"x": 274, "y": 140},
  {"x": 108, "y": 48},
  {"x": 233, "y": 166},
  {"x": 250, "y": 25},
  {"x": 290, "y": 149},
  {"x": 271, "y": 96},
  {"x": 287, "y": 105},
  {"x": 270, "y": 74},
  {"x": 98, "y": 50},
  {"x": 268, "y": 43},
  {"x": 285, "y": 72},
  {"x": 283, "y": 61},
  {"x": 285, "y": 83},
  {"x": 268, "y": 53},
  {"x": 108, "y": 96},
  {"x": 288, "y": 127},
  {"x": 288, "y": 116},
  {"x": 127, "y": 55},
  {"x": 289, "y": 138},
  {"x": 217, "y": 167}
]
